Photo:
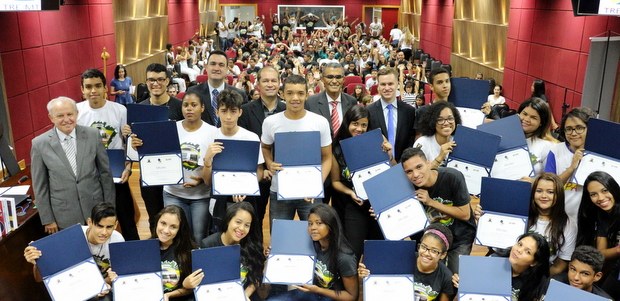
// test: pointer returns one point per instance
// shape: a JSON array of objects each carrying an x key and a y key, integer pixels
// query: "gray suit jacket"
[
  {"x": 319, "y": 104},
  {"x": 61, "y": 196}
]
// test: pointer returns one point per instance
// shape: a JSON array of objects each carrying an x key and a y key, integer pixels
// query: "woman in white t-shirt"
[
  {"x": 496, "y": 98},
  {"x": 437, "y": 127},
  {"x": 535, "y": 117}
]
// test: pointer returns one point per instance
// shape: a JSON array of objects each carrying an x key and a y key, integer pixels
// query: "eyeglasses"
[
  {"x": 444, "y": 120},
  {"x": 152, "y": 81},
  {"x": 577, "y": 129},
  {"x": 424, "y": 248},
  {"x": 334, "y": 76}
]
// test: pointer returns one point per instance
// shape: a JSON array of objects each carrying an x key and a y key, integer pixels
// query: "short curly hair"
[{"x": 429, "y": 118}]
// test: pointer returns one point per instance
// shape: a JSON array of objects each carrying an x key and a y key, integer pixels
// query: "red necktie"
[{"x": 335, "y": 119}]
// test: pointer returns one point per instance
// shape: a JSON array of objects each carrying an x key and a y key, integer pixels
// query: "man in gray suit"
[{"x": 70, "y": 169}]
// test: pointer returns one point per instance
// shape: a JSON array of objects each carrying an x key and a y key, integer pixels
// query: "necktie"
[
  {"x": 214, "y": 95},
  {"x": 391, "y": 127},
  {"x": 70, "y": 151},
  {"x": 335, "y": 119}
]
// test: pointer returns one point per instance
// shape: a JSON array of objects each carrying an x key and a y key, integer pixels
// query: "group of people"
[{"x": 572, "y": 230}]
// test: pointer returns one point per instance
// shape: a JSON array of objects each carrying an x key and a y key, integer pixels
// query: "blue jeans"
[
  {"x": 297, "y": 295},
  {"x": 196, "y": 211},
  {"x": 285, "y": 209}
]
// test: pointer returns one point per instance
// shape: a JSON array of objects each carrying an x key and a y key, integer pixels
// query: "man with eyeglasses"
[
  {"x": 157, "y": 81},
  {"x": 445, "y": 197}
]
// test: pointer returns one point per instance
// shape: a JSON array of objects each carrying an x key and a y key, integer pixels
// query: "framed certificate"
[
  {"x": 160, "y": 157},
  {"x": 234, "y": 169},
  {"x": 484, "y": 278},
  {"x": 138, "y": 265},
  {"x": 471, "y": 118},
  {"x": 221, "y": 266},
  {"x": 387, "y": 287},
  {"x": 292, "y": 256},
  {"x": 300, "y": 156},
  {"x": 143, "y": 113},
  {"x": 300, "y": 182},
  {"x": 161, "y": 169},
  {"x": 591, "y": 162}
]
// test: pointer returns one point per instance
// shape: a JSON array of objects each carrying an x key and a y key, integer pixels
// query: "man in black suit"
[
  {"x": 252, "y": 116},
  {"x": 217, "y": 67},
  {"x": 395, "y": 118}
]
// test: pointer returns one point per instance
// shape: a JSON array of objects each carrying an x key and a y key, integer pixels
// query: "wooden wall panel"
[{"x": 141, "y": 28}]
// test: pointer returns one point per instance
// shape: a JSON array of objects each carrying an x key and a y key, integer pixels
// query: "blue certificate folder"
[
  {"x": 468, "y": 93},
  {"x": 558, "y": 291},
  {"x": 145, "y": 113},
  {"x": 237, "y": 155},
  {"x": 117, "y": 162},
  {"x": 219, "y": 264},
  {"x": 135, "y": 257},
  {"x": 290, "y": 242},
  {"x": 510, "y": 131},
  {"x": 389, "y": 188},
  {"x": 474, "y": 147},
  {"x": 364, "y": 150},
  {"x": 490, "y": 276},
  {"x": 298, "y": 148},
  {"x": 597, "y": 143},
  {"x": 390, "y": 257}
]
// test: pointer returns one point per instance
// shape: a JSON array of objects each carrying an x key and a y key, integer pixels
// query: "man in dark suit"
[
  {"x": 331, "y": 104},
  {"x": 217, "y": 67},
  {"x": 252, "y": 117},
  {"x": 395, "y": 118},
  {"x": 70, "y": 169}
]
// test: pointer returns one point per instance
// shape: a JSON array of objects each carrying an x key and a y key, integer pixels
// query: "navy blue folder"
[
  {"x": 485, "y": 275},
  {"x": 159, "y": 137},
  {"x": 505, "y": 196},
  {"x": 510, "y": 131},
  {"x": 117, "y": 162},
  {"x": 219, "y": 264},
  {"x": 298, "y": 148},
  {"x": 389, "y": 188},
  {"x": 468, "y": 93},
  {"x": 390, "y": 257},
  {"x": 558, "y": 291},
  {"x": 600, "y": 144},
  {"x": 289, "y": 237},
  {"x": 364, "y": 151},
  {"x": 146, "y": 113},
  {"x": 474, "y": 146},
  {"x": 135, "y": 257},
  {"x": 237, "y": 155},
  {"x": 55, "y": 250}
]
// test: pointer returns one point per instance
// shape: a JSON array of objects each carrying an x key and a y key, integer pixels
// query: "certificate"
[
  {"x": 359, "y": 177},
  {"x": 289, "y": 269},
  {"x": 484, "y": 278},
  {"x": 480, "y": 297},
  {"x": 499, "y": 230},
  {"x": 235, "y": 183},
  {"x": 388, "y": 288},
  {"x": 513, "y": 165},
  {"x": 223, "y": 291},
  {"x": 162, "y": 169},
  {"x": 300, "y": 182},
  {"x": 592, "y": 162},
  {"x": 402, "y": 220},
  {"x": 138, "y": 287},
  {"x": 473, "y": 174},
  {"x": 80, "y": 282},
  {"x": 471, "y": 118}
]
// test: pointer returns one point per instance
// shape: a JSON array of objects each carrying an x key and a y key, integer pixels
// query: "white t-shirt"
[
  {"x": 375, "y": 28},
  {"x": 243, "y": 135},
  {"x": 429, "y": 145},
  {"x": 279, "y": 123},
  {"x": 570, "y": 239},
  {"x": 562, "y": 158},
  {"x": 193, "y": 149},
  {"x": 493, "y": 101},
  {"x": 395, "y": 33},
  {"x": 539, "y": 149},
  {"x": 101, "y": 252},
  {"x": 108, "y": 119}
]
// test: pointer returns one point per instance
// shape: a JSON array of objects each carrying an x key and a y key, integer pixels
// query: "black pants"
[
  {"x": 359, "y": 225},
  {"x": 125, "y": 211},
  {"x": 153, "y": 197},
  {"x": 260, "y": 203}
]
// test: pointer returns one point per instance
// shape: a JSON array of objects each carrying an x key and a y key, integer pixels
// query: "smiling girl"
[
  {"x": 535, "y": 117},
  {"x": 437, "y": 127}
]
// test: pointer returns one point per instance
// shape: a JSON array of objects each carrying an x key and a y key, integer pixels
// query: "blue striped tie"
[
  {"x": 214, "y": 95},
  {"x": 391, "y": 128}
]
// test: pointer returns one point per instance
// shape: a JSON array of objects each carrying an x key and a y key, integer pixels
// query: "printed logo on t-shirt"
[
  {"x": 191, "y": 154},
  {"x": 102, "y": 262},
  {"x": 244, "y": 274},
  {"x": 533, "y": 158},
  {"x": 435, "y": 215},
  {"x": 170, "y": 275},
  {"x": 424, "y": 292},
  {"x": 570, "y": 186},
  {"x": 323, "y": 275},
  {"x": 106, "y": 132}
]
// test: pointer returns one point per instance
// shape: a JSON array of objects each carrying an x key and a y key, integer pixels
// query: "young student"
[
  {"x": 176, "y": 244},
  {"x": 443, "y": 193},
  {"x": 432, "y": 279},
  {"x": 335, "y": 274},
  {"x": 240, "y": 227},
  {"x": 529, "y": 262},
  {"x": 99, "y": 234},
  {"x": 228, "y": 111},
  {"x": 535, "y": 114},
  {"x": 585, "y": 268},
  {"x": 436, "y": 128},
  {"x": 441, "y": 87}
]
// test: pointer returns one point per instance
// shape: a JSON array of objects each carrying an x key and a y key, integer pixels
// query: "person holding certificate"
[
  {"x": 357, "y": 223},
  {"x": 195, "y": 136},
  {"x": 175, "y": 244},
  {"x": 584, "y": 270},
  {"x": 433, "y": 280},
  {"x": 444, "y": 194},
  {"x": 598, "y": 223},
  {"x": 535, "y": 118},
  {"x": 529, "y": 262},
  {"x": 335, "y": 274},
  {"x": 99, "y": 234},
  {"x": 564, "y": 158},
  {"x": 240, "y": 227},
  {"x": 437, "y": 127}
]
